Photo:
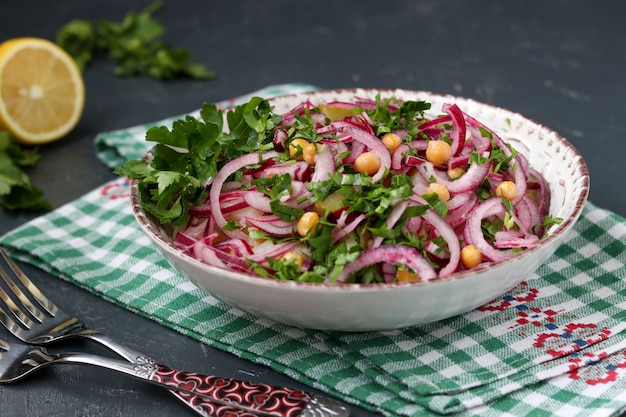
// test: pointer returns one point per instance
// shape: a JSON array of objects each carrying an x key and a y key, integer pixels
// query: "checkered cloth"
[{"x": 553, "y": 346}]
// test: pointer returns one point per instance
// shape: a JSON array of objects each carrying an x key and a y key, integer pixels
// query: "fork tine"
[
  {"x": 26, "y": 303},
  {"x": 41, "y": 299},
  {"x": 17, "y": 312},
  {"x": 4, "y": 346},
  {"x": 10, "y": 324}
]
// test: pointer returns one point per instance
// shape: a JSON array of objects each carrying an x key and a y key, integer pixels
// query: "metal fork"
[
  {"x": 42, "y": 323},
  {"x": 18, "y": 360}
]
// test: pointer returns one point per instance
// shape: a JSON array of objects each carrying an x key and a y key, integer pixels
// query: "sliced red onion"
[
  {"x": 507, "y": 234},
  {"x": 324, "y": 165},
  {"x": 447, "y": 233},
  {"x": 236, "y": 247},
  {"x": 458, "y": 216},
  {"x": 458, "y": 122},
  {"x": 544, "y": 190},
  {"x": 257, "y": 200},
  {"x": 207, "y": 255},
  {"x": 459, "y": 200},
  {"x": 280, "y": 139},
  {"x": 277, "y": 250},
  {"x": 458, "y": 161},
  {"x": 341, "y": 232},
  {"x": 227, "y": 170},
  {"x": 391, "y": 254},
  {"x": 274, "y": 227},
  {"x": 289, "y": 117},
  {"x": 435, "y": 122},
  {"x": 398, "y": 155},
  {"x": 517, "y": 242},
  {"x": 473, "y": 233},
  {"x": 391, "y": 221},
  {"x": 419, "y": 145},
  {"x": 298, "y": 170},
  {"x": 469, "y": 181},
  {"x": 413, "y": 161},
  {"x": 436, "y": 251}
]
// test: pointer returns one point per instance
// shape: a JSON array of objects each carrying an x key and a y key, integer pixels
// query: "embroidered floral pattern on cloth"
[{"x": 553, "y": 346}]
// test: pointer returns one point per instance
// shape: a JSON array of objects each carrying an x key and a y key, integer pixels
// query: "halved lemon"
[{"x": 42, "y": 93}]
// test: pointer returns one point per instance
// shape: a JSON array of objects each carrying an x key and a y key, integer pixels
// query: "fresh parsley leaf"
[
  {"x": 438, "y": 205},
  {"x": 192, "y": 151},
  {"x": 251, "y": 126},
  {"x": 321, "y": 242},
  {"x": 135, "y": 44},
  {"x": 274, "y": 187},
  {"x": 287, "y": 213},
  {"x": 16, "y": 190}
]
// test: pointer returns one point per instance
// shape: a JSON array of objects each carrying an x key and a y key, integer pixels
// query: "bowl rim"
[{"x": 556, "y": 232}]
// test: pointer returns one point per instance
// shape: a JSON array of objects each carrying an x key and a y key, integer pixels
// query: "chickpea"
[
  {"x": 391, "y": 141},
  {"x": 438, "y": 152},
  {"x": 308, "y": 154},
  {"x": 307, "y": 223},
  {"x": 471, "y": 256},
  {"x": 298, "y": 258},
  {"x": 367, "y": 163},
  {"x": 440, "y": 189},
  {"x": 406, "y": 276},
  {"x": 507, "y": 189},
  {"x": 308, "y": 150},
  {"x": 455, "y": 173}
]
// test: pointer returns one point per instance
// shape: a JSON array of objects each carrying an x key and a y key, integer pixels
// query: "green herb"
[
  {"x": 475, "y": 158},
  {"x": 361, "y": 195},
  {"x": 485, "y": 133},
  {"x": 16, "y": 190},
  {"x": 391, "y": 114},
  {"x": 438, "y": 205},
  {"x": 491, "y": 227},
  {"x": 303, "y": 127},
  {"x": 321, "y": 242},
  {"x": 509, "y": 214},
  {"x": 550, "y": 220},
  {"x": 135, "y": 44},
  {"x": 483, "y": 191},
  {"x": 191, "y": 152},
  {"x": 501, "y": 159}
]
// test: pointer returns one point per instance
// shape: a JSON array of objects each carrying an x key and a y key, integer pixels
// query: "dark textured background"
[{"x": 561, "y": 63}]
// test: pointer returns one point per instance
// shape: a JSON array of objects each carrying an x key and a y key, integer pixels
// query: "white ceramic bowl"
[{"x": 350, "y": 307}]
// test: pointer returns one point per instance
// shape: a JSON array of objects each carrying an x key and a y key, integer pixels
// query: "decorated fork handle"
[
  {"x": 208, "y": 406},
  {"x": 220, "y": 396}
]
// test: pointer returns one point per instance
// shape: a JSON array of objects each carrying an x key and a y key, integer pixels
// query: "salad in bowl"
[{"x": 356, "y": 191}]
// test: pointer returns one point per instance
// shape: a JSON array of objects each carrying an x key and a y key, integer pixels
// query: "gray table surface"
[{"x": 562, "y": 63}]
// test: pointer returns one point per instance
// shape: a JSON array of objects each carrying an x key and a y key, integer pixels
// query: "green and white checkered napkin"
[{"x": 553, "y": 346}]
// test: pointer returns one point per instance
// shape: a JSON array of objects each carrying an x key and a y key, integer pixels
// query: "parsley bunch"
[
  {"x": 135, "y": 44},
  {"x": 16, "y": 190},
  {"x": 189, "y": 153}
]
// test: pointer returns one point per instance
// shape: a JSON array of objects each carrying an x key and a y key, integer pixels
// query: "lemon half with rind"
[{"x": 42, "y": 92}]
